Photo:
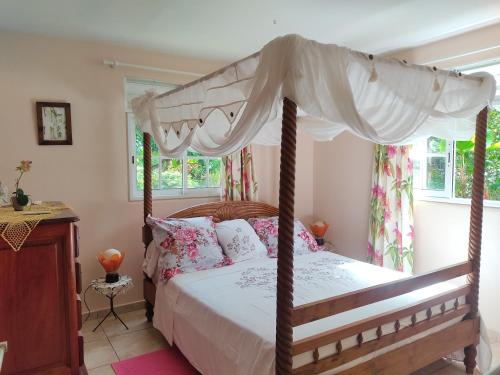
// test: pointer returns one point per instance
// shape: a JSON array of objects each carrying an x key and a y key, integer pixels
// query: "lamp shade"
[
  {"x": 110, "y": 260},
  {"x": 319, "y": 228}
]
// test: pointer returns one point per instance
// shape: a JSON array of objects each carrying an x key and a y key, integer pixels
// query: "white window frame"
[
  {"x": 448, "y": 195},
  {"x": 448, "y": 191},
  {"x": 178, "y": 193}
]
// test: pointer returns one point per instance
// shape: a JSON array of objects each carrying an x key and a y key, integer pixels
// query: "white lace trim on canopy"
[{"x": 336, "y": 89}]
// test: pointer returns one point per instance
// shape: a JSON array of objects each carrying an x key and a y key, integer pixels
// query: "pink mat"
[{"x": 169, "y": 361}]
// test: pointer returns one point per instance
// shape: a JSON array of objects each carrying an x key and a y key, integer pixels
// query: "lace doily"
[
  {"x": 112, "y": 289},
  {"x": 16, "y": 226}
]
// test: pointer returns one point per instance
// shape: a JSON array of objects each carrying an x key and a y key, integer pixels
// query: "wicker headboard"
[{"x": 228, "y": 210}]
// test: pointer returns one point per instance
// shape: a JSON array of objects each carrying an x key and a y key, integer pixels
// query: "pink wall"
[
  {"x": 342, "y": 177},
  {"x": 90, "y": 176}
]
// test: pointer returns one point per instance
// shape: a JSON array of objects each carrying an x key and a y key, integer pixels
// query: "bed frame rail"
[
  {"x": 330, "y": 306},
  {"x": 449, "y": 309},
  {"x": 377, "y": 321}
]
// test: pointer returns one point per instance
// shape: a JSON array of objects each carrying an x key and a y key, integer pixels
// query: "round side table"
[{"x": 110, "y": 291}]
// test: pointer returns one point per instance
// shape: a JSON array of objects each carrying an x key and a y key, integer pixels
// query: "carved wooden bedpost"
[
  {"x": 147, "y": 236},
  {"x": 475, "y": 230},
  {"x": 284, "y": 292}
]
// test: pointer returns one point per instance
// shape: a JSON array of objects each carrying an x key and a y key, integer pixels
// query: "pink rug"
[{"x": 169, "y": 361}]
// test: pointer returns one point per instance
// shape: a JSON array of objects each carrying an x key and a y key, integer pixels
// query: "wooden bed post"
[
  {"x": 284, "y": 290},
  {"x": 147, "y": 235},
  {"x": 475, "y": 230}
]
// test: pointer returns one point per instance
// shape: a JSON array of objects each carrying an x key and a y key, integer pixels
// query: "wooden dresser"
[{"x": 40, "y": 307}]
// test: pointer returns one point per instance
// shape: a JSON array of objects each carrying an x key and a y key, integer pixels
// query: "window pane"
[
  {"x": 193, "y": 153},
  {"x": 171, "y": 174},
  {"x": 417, "y": 175},
  {"x": 139, "y": 143},
  {"x": 436, "y": 145},
  {"x": 464, "y": 162},
  {"x": 139, "y": 165},
  {"x": 155, "y": 176},
  {"x": 436, "y": 172},
  {"x": 214, "y": 166},
  {"x": 197, "y": 173}
]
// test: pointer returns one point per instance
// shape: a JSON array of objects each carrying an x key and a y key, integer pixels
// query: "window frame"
[
  {"x": 447, "y": 195},
  {"x": 449, "y": 190},
  {"x": 175, "y": 193}
]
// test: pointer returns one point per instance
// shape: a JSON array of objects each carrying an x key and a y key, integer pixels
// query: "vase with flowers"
[{"x": 20, "y": 200}]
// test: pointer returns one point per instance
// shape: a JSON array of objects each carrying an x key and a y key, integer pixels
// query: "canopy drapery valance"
[{"x": 336, "y": 89}]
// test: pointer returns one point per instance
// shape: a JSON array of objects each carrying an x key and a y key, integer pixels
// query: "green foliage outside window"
[
  {"x": 464, "y": 162},
  {"x": 202, "y": 172}
]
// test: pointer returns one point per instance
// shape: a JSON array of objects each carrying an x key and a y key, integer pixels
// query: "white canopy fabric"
[{"x": 336, "y": 89}]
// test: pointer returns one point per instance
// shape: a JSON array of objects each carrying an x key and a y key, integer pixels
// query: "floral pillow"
[
  {"x": 239, "y": 241},
  {"x": 186, "y": 245},
  {"x": 267, "y": 230}
]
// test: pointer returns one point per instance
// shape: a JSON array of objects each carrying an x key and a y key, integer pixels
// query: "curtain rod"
[
  {"x": 444, "y": 59},
  {"x": 114, "y": 63}
]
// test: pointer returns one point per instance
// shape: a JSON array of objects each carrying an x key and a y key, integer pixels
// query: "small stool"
[{"x": 110, "y": 291}]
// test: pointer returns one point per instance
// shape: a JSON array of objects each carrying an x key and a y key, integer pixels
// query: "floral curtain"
[
  {"x": 390, "y": 241},
  {"x": 239, "y": 179}
]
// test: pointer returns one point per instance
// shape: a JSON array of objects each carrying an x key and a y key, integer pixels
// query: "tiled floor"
[{"x": 112, "y": 342}]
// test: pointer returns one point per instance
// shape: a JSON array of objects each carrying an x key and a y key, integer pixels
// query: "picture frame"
[{"x": 54, "y": 123}]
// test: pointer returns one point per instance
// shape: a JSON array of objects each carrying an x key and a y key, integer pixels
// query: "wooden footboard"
[{"x": 408, "y": 357}]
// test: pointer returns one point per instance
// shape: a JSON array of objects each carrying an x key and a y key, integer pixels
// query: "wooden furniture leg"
[
  {"x": 475, "y": 231},
  {"x": 284, "y": 292},
  {"x": 149, "y": 311}
]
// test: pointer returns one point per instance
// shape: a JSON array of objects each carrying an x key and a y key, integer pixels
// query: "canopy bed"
[{"x": 325, "y": 90}]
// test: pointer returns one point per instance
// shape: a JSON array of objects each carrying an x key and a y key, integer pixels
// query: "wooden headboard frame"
[{"x": 228, "y": 210}]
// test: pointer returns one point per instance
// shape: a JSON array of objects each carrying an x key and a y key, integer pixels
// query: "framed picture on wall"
[{"x": 54, "y": 123}]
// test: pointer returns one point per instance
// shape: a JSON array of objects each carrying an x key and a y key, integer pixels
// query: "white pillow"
[{"x": 239, "y": 241}]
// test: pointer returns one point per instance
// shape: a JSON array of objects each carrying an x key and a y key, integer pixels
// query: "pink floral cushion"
[
  {"x": 267, "y": 230},
  {"x": 186, "y": 245}
]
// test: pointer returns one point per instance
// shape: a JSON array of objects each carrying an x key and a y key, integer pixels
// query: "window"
[
  {"x": 443, "y": 169},
  {"x": 191, "y": 175}
]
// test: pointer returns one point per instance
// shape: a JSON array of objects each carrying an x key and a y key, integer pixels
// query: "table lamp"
[
  {"x": 318, "y": 229},
  {"x": 111, "y": 260}
]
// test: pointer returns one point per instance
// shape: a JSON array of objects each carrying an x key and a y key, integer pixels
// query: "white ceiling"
[{"x": 230, "y": 29}]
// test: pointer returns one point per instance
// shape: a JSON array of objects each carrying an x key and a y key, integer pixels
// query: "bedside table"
[{"x": 110, "y": 291}]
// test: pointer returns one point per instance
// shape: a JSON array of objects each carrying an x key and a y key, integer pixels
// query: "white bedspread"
[{"x": 223, "y": 320}]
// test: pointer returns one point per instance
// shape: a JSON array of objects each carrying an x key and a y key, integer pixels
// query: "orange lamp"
[
  {"x": 319, "y": 229},
  {"x": 111, "y": 260}
]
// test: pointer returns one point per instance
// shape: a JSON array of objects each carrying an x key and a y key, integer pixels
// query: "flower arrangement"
[{"x": 19, "y": 199}]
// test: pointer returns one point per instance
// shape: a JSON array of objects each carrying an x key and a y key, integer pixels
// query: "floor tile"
[
  {"x": 135, "y": 321},
  {"x": 137, "y": 342},
  {"x": 88, "y": 335},
  {"x": 454, "y": 368},
  {"x": 432, "y": 368},
  {"x": 103, "y": 370},
  {"x": 99, "y": 353}
]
